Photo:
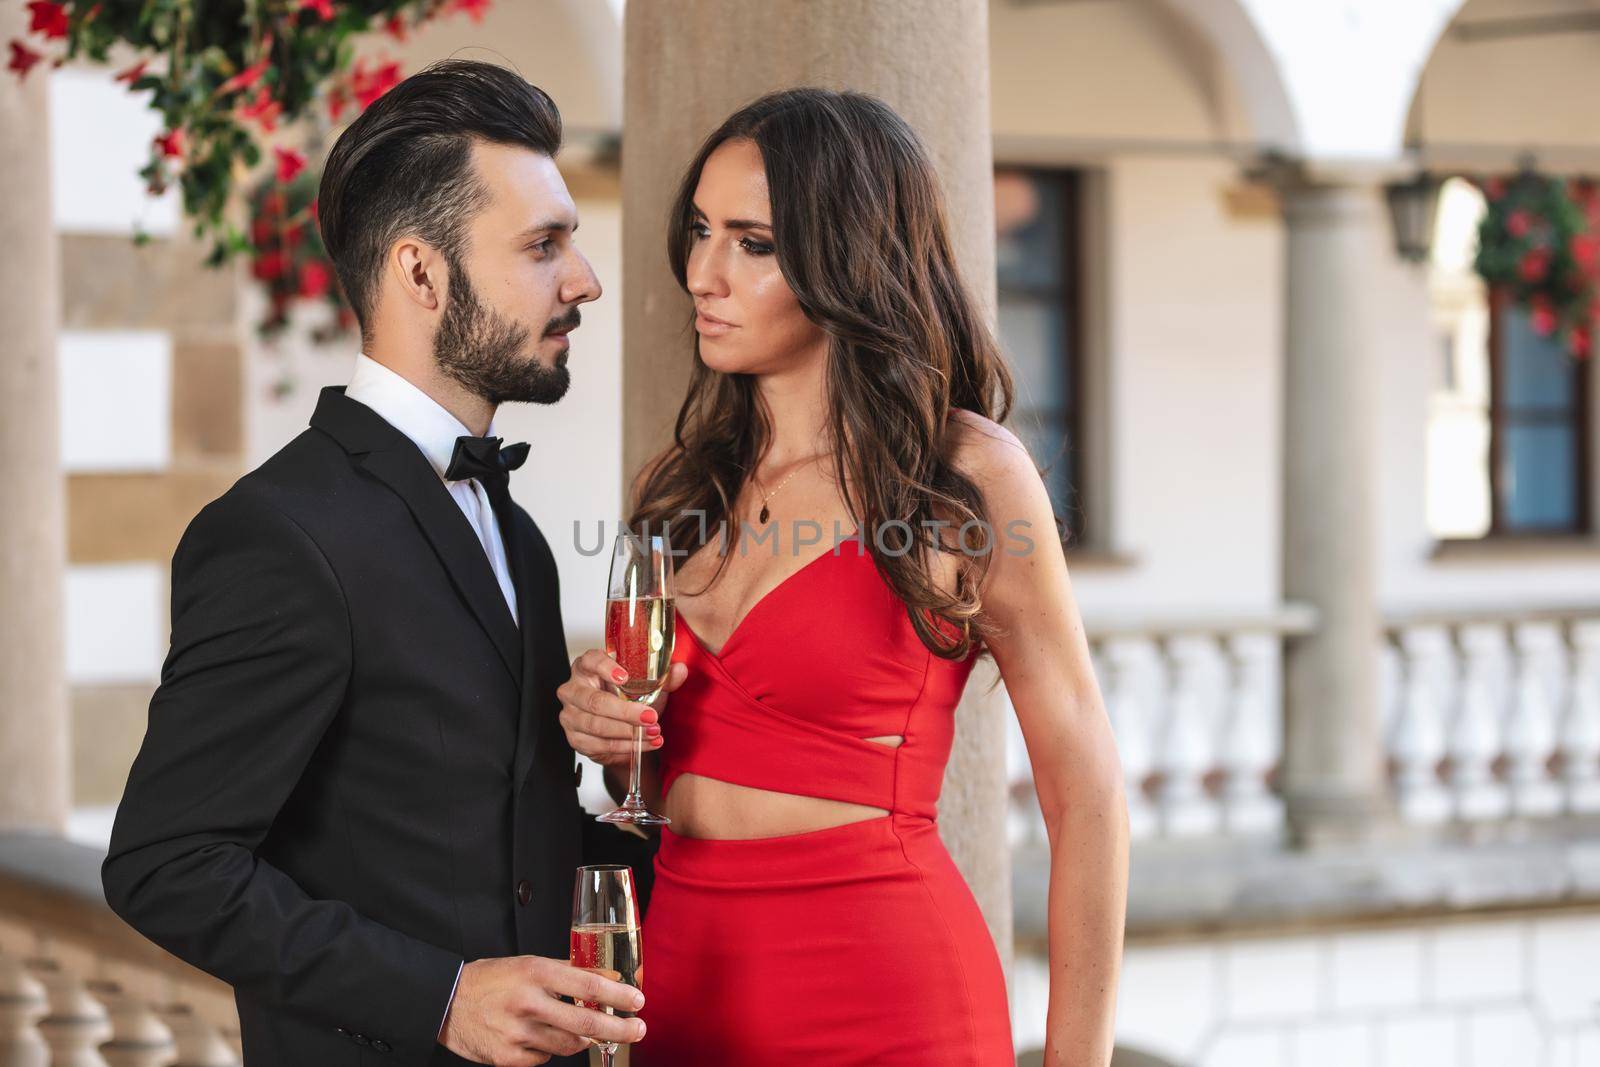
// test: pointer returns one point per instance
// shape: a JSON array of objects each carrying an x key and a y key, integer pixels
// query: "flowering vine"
[
  {"x": 1539, "y": 242},
  {"x": 226, "y": 77}
]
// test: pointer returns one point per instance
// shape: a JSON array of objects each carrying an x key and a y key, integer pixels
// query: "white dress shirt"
[{"x": 434, "y": 430}]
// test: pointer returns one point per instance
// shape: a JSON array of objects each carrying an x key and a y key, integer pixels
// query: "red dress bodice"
[{"x": 822, "y": 662}]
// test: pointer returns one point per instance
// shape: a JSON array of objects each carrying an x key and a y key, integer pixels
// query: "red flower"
[
  {"x": 293, "y": 235},
  {"x": 314, "y": 279},
  {"x": 171, "y": 144},
  {"x": 133, "y": 73},
  {"x": 269, "y": 266},
  {"x": 290, "y": 163},
  {"x": 323, "y": 8},
  {"x": 1542, "y": 317},
  {"x": 368, "y": 85},
  {"x": 273, "y": 203},
  {"x": 474, "y": 9},
  {"x": 251, "y": 74},
  {"x": 1579, "y": 342},
  {"x": 22, "y": 59},
  {"x": 1494, "y": 188},
  {"x": 336, "y": 104},
  {"x": 49, "y": 18},
  {"x": 396, "y": 27},
  {"x": 263, "y": 109},
  {"x": 261, "y": 233},
  {"x": 1535, "y": 265},
  {"x": 314, "y": 216},
  {"x": 1518, "y": 223},
  {"x": 1585, "y": 249}
]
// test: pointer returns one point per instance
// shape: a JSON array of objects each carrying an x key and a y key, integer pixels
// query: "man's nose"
[{"x": 583, "y": 286}]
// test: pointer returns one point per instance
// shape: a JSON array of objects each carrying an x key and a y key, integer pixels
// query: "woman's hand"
[{"x": 599, "y": 721}]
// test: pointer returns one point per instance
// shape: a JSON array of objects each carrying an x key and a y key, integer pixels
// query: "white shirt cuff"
[{"x": 452, "y": 999}]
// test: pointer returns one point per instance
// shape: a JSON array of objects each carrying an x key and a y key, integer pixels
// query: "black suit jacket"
[{"x": 353, "y": 777}]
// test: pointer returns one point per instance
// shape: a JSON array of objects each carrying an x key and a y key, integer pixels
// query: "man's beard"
[{"x": 482, "y": 350}]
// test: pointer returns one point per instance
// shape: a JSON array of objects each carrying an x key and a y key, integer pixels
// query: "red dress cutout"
[{"x": 855, "y": 944}]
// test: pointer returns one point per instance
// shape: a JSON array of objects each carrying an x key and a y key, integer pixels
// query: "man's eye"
[{"x": 542, "y": 247}]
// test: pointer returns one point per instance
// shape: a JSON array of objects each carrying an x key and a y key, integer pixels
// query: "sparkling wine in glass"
[
  {"x": 639, "y": 630},
  {"x": 605, "y": 932}
]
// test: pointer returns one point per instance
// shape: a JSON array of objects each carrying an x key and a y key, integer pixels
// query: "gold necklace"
[{"x": 762, "y": 517}]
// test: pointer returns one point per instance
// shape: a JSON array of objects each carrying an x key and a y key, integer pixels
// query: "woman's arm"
[{"x": 1043, "y": 656}]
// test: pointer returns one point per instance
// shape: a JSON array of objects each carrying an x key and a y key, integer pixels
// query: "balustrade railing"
[
  {"x": 1195, "y": 706},
  {"x": 78, "y": 988},
  {"x": 1493, "y": 715}
]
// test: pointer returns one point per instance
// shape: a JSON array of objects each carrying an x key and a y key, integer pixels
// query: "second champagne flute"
[
  {"x": 605, "y": 931},
  {"x": 640, "y": 625}
]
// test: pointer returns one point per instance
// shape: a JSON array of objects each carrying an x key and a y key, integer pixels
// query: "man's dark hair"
[{"x": 404, "y": 168}]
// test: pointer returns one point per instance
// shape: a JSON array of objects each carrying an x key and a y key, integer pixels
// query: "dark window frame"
[
  {"x": 1581, "y": 419},
  {"x": 1069, "y": 296}
]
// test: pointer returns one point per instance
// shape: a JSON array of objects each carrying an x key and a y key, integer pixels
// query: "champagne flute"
[
  {"x": 605, "y": 932},
  {"x": 639, "y": 631}
]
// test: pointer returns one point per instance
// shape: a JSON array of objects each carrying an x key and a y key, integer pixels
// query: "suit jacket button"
[
  {"x": 524, "y": 892},
  {"x": 577, "y": 776},
  {"x": 360, "y": 1039},
  {"x": 380, "y": 1046}
]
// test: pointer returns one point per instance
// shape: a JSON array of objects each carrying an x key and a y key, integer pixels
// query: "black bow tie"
[{"x": 483, "y": 458}]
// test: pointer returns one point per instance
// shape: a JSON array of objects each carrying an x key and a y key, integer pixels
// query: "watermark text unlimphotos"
[{"x": 893, "y": 538}]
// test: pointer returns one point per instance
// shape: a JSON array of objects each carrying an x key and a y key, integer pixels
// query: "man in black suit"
[{"x": 354, "y": 802}]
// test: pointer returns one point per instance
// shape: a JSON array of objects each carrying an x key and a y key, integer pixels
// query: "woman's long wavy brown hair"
[{"x": 859, "y": 228}]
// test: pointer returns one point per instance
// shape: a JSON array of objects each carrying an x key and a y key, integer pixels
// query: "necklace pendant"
[{"x": 763, "y": 516}]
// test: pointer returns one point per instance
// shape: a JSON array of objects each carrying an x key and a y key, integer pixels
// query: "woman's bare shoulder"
[{"x": 987, "y": 452}]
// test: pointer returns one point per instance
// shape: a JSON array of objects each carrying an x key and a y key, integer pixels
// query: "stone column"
[
  {"x": 33, "y": 693},
  {"x": 688, "y": 66},
  {"x": 1333, "y": 770}
]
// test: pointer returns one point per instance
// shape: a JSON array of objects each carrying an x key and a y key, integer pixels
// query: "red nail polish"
[
  {"x": 619, "y": 675},
  {"x": 648, "y": 717}
]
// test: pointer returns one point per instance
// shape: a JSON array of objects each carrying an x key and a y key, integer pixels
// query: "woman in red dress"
[{"x": 857, "y": 529}]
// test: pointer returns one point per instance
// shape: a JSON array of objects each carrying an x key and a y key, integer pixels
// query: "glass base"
[{"x": 638, "y": 816}]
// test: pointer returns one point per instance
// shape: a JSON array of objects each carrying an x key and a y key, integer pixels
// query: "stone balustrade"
[
  {"x": 1492, "y": 716},
  {"x": 1196, "y": 708},
  {"x": 78, "y": 988}
]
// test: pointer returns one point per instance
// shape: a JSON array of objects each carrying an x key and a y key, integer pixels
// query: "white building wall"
[
  {"x": 1185, "y": 304},
  {"x": 1193, "y": 365},
  {"x": 1520, "y": 991},
  {"x": 115, "y": 385}
]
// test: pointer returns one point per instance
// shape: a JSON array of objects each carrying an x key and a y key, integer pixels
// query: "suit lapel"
[
  {"x": 394, "y": 460},
  {"x": 530, "y": 609}
]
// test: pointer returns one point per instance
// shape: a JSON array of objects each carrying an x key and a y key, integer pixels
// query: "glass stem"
[{"x": 634, "y": 799}]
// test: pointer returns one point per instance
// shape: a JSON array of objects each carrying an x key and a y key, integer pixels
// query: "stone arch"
[
  {"x": 571, "y": 48},
  {"x": 1295, "y": 63},
  {"x": 1495, "y": 97},
  {"x": 1236, "y": 38}
]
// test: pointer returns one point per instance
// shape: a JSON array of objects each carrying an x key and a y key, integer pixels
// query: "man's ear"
[{"x": 420, "y": 272}]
